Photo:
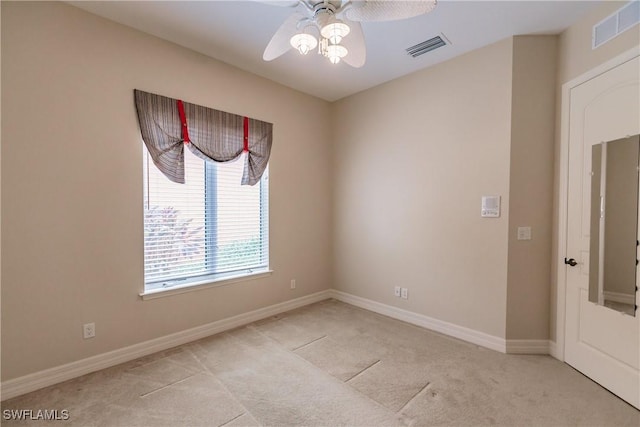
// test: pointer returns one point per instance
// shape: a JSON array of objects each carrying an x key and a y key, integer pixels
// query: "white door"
[{"x": 601, "y": 342}]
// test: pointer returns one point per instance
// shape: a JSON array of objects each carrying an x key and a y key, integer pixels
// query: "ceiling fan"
[{"x": 334, "y": 26}]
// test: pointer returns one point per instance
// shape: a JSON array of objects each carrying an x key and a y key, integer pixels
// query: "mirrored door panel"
[{"x": 614, "y": 224}]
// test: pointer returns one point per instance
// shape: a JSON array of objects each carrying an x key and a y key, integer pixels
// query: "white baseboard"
[
  {"x": 555, "y": 351},
  {"x": 528, "y": 347},
  {"x": 41, "y": 379},
  {"x": 620, "y": 297},
  {"x": 456, "y": 331}
]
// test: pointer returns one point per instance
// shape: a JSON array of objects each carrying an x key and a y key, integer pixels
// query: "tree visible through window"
[{"x": 209, "y": 228}]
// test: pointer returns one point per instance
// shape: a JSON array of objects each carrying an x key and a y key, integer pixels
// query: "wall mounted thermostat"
[{"x": 490, "y": 207}]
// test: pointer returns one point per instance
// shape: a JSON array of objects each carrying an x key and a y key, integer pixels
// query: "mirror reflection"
[{"x": 614, "y": 224}]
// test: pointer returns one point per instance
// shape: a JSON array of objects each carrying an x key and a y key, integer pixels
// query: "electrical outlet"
[
  {"x": 404, "y": 292},
  {"x": 88, "y": 330},
  {"x": 293, "y": 283},
  {"x": 396, "y": 291}
]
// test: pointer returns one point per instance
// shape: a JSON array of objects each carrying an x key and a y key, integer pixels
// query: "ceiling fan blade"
[
  {"x": 354, "y": 42},
  {"x": 282, "y": 3},
  {"x": 373, "y": 10},
  {"x": 279, "y": 43}
]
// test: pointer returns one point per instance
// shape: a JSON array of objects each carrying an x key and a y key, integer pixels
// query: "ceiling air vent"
[
  {"x": 427, "y": 46},
  {"x": 615, "y": 24}
]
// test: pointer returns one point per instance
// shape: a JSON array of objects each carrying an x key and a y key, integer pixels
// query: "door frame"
[{"x": 556, "y": 349}]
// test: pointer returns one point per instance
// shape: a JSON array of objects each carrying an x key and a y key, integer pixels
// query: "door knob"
[{"x": 572, "y": 262}]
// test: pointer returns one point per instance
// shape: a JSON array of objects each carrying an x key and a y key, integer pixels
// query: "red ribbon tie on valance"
[
  {"x": 183, "y": 121},
  {"x": 246, "y": 134}
]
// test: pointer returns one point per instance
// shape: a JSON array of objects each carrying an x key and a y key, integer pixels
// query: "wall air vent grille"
[
  {"x": 615, "y": 24},
  {"x": 427, "y": 46}
]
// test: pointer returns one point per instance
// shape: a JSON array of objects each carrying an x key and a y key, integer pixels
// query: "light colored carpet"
[{"x": 331, "y": 364}]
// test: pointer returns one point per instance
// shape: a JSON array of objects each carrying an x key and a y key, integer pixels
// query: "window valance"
[{"x": 168, "y": 124}]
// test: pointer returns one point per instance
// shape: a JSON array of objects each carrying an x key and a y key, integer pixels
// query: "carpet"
[{"x": 331, "y": 364}]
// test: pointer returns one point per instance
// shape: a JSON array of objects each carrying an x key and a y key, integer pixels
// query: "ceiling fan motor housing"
[{"x": 322, "y": 13}]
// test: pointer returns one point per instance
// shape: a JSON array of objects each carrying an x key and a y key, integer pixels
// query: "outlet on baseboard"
[
  {"x": 293, "y": 283},
  {"x": 88, "y": 330},
  {"x": 396, "y": 291},
  {"x": 404, "y": 293}
]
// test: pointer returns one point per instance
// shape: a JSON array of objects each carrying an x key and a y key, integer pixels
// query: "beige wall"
[
  {"x": 412, "y": 159},
  {"x": 531, "y": 185},
  {"x": 575, "y": 53},
  {"x": 72, "y": 242},
  {"x": 575, "y": 57}
]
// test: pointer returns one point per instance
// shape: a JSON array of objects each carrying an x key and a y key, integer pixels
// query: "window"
[{"x": 210, "y": 228}]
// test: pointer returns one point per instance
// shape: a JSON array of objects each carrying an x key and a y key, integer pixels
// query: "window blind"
[{"x": 208, "y": 228}]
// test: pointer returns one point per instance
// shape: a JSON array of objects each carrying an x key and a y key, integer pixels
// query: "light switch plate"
[{"x": 524, "y": 233}]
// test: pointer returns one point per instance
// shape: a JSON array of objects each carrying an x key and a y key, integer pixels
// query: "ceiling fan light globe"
[
  {"x": 303, "y": 42},
  {"x": 335, "y": 31},
  {"x": 336, "y": 52}
]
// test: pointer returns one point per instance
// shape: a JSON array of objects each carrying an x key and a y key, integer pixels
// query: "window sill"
[{"x": 205, "y": 284}]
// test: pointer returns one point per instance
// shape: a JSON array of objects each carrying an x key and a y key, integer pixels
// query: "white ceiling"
[{"x": 237, "y": 32}]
